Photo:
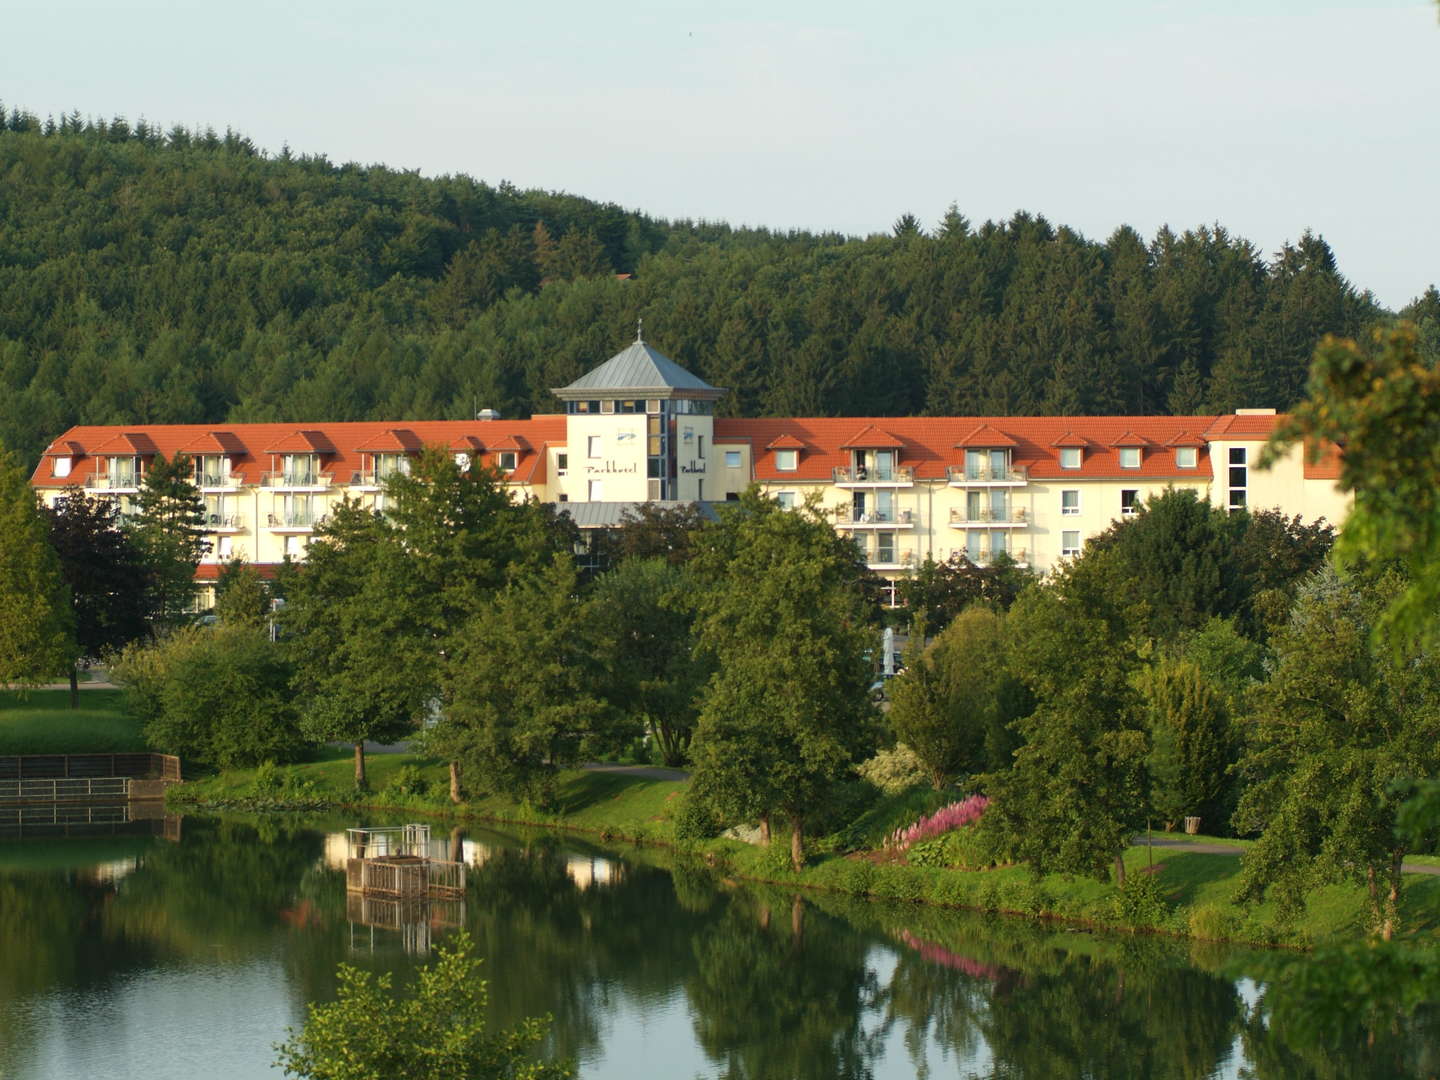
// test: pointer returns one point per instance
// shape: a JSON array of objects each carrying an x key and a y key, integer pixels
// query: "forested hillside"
[{"x": 151, "y": 277}]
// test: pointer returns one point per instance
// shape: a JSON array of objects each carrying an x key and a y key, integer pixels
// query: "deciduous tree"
[{"x": 782, "y": 614}]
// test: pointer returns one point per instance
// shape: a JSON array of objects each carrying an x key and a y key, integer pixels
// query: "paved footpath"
[{"x": 1205, "y": 848}]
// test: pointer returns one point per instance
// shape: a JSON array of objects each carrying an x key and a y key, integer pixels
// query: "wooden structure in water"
[
  {"x": 393, "y": 883},
  {"x": 394, "y": 863}
]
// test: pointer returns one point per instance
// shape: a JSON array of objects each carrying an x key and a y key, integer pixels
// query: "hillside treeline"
[{"x": 184, "y": 276}]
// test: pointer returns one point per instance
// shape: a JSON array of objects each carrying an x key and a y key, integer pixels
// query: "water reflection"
[{"x": 116, "y": 943}]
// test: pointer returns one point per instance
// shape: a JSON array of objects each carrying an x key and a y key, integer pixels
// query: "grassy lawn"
[{"x": 42, "y": 722}]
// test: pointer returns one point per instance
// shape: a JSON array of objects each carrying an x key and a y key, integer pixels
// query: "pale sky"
[{"x": 1267, "y": 116}]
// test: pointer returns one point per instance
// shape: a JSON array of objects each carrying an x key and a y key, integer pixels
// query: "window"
[
  {"x": 1239, "y": 477},
  {"x": 507, "y": 460},
  {"x": 786, "y": 499},
  {"x": 60, "y": 466},
  {"x": 563, "y": 497},
  {"x": 294, "y": 546},
  {"x": 1069, "y": 457},
  {"x": 1129, "y": 501},
  {"x": 562, "y": 463},
  {"x": 224, "y": 548},
  {"x": 1129, "y": 457},
  {"x": 592, "y": 446},
  {"x": 1070, "y": 502},
  {"x": 732, "y": 496},
  {"x": 786, "y": 460},
  {"x": 596, "y": 491},
  {"x": 1070, "y": 543},
  {"x": 607, "y": 407},
  {"x": 732, "y": 459},
  {"x": 885, "y": 548},
  {"x": 1186, "y": 457}
]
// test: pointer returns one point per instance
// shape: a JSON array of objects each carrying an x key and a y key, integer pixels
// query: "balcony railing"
[
  {"x": 110, "y": 482},
  {"x": 295, "y": 478},
  {"x": 890, "y": 557},
  {"x": 985, "y": 556},
  {"x": 989, "y": 515},
  {"x": 984, "y": 474},
  {"x": 294, "y": 520},
  {"x": 219, "y": 479},
  {"x": 846, "y": 517},
  {"x": 896, "y": 474},
  {"x": 224, "y": 522}
]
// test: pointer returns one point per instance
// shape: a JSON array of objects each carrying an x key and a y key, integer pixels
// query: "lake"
[{"x": 176, "y": 949}]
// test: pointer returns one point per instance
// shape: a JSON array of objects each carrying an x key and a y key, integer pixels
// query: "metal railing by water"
[{"x": 107, "y": 787}]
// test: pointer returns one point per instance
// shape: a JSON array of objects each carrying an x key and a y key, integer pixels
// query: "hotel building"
[{"x": 640, "y": 428}]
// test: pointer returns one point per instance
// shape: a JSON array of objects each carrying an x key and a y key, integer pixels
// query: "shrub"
[
  {"x": 695, "y": 821},
  {"x": 407, "y": 781},
  {"x": 893, "y": 771},
  {"x": 1138, "y": 904},
  {"x": 218, "y": 695}
]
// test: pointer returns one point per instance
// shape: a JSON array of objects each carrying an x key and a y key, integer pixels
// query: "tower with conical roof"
[{"x": 639, "y": 428}]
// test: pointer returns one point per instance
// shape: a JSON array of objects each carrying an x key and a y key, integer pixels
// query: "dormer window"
[
  {"x": 1129, "y": 457},
  {"x": 1186, "y": 457},
  {"x": 211, "y": 470},
  {"x": 388, "y": 465},
  {"x": 60, "y": 466},
  {"x": 123, "y": 471},
  {"x": 787, "y": 460},
  {"x": 506, "y": 460},
  {"x": 1070, "y": 457},
  {"x": 299, "y": 469}
]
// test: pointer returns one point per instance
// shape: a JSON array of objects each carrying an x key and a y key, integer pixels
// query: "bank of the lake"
[{"x": 1185, "y": 890}]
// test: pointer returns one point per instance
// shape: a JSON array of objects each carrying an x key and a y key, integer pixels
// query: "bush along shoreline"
[{"x": 899, "y": 850}]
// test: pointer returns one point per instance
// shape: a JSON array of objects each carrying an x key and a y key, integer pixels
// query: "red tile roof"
[
  {"x": 302, "y": 442},
  {"x": 986, "y": 435},
  {"x": 391, "y": 441},
  {"x": 341, "y": 440},
  {"x": 123, "y": 444},
  {"x": 871, "y": 437},
  {"x": 214, "y": 442},
  {"x": 931, "y": 444},
  {"x": 64, "y": 448},
  {"x": 1243, "y": 427},
  {"x": 1130, "y": 440}
]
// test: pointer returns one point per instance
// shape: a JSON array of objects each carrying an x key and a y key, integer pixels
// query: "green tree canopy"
[
  {"x": 37, "y": 627},
  {"x": 782, "y": 615},
  {"x": 169, "y": 528},
  {"x": 1342, "y": 731},
  {"x": 435, "y": 1030}
]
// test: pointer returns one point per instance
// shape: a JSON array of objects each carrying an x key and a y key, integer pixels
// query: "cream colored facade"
[{"x": 639, "y": 428}]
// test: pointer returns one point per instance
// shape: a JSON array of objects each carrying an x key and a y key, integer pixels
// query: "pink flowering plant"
[{"x": 947, "y": 819}]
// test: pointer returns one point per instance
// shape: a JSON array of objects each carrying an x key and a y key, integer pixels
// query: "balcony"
[
  {"x": 890, "y": 559},
  {"x": 989, "y": 516},
  {"x": 109, "y": 482},
  {"x": 295, "y": 522},
  {"x": 224, "y": 523},
  {"x": 847, "y": 518},
  {"x": 216, "y": 481},
  {"x": 861, "y": 477},
  {"x": 985, "y": 476},
  {"x": 296, "y": 480},
  {"x": 985, "y": 556}
]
